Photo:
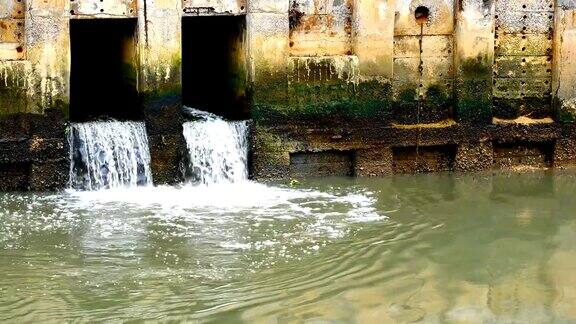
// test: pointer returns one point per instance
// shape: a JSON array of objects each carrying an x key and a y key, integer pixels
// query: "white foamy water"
[
  {"x": 256, "y": 198},
  {"x": 109, "y": 154},
  {"x": 219, "y": 194},
  {"x": 217, "y": 149},
  {"x": 108, "y": 161},
  {"x": 327, "y": 214}
]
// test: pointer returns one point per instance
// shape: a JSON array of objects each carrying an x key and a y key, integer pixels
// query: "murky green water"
[{"x": 430, "y": 248}]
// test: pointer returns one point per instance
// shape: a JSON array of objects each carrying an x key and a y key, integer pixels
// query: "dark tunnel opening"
[
  {"x": 214, "y": 74},
  {"x": 103, "y": 80}
]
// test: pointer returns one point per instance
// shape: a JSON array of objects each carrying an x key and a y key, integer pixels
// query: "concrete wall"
[
  {"x": 213, "y": 7},
  {"x": 523, "y": 58},
  {"x": 349, "y": 55},
  {"x": 360, "y": 76},
  {"x": 475, "y": 75},
  {"x": 508, "y": 51},
  {"x": 564, "y": 67}
]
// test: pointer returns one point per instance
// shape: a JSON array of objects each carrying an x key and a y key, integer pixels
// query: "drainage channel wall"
[{"x": 355, "y": 87}]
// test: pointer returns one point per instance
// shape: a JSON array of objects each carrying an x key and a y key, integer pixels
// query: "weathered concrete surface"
[
  {"x": 473, "y": 59},
  {"x": 33, "y": 94},
  {"x": 35, "y": 84},
  {"x": 103, "y": 9},
  {"x": 380, "y": 149},
  {"x": 523, "y": 58},
  {"x": 373, "y": 33},
  {"x": 365, "y": 78},
  {"x": 33, "y": 151},
  {"x": 268, "y": 53},
  {"x": 423, "y": 62},
  {"x": 12, "y": 30},
  {"x": 320, "y": 28},
  {"x": 304, "y": 64},
  {"x": 159, "y": 32},
  {"x": 213, "y": 7},
  {"x": 451, "y": 71},
  {"x": 564, "y": 76}
]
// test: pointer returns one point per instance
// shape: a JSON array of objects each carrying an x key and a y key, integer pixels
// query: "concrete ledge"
[{"x": 420, "y": 148}]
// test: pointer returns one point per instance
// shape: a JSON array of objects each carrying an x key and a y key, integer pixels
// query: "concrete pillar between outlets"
[
  {"x": 474, "y": 59},
  {"x": 564, "y": 62}
]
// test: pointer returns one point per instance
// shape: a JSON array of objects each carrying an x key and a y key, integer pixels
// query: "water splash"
[
  {"x": 108, "y": 155},
  {"x": 218, "y": 149}
]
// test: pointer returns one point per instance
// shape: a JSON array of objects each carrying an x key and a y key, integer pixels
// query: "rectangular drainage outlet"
[
  {"x": 103, "y": 76},
  {"x": 214, "y": 65},
  {"x": 321, "y": 164},
  {"x": 527, "y": 154},
  {"x": 423, "y": 159}
]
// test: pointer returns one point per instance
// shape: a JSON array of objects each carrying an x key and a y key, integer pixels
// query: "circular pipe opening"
[{"x": 422, "y": 14}]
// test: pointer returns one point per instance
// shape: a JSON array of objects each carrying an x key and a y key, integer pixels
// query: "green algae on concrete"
[
  {"x": 478, "y": 67},
  {"x": 474, "y": 101},
  {"x": 565, "y": 110},
  {"x": 12, "y": 101},
  {"x": 435, "y": 106},
  {"x": 319, "y": 87},
  {"x": 405, "y": 106},
  {"x": 154, "y": 82},
  {"x": 374, "y": 98},
  {"x": 369, "y": 99},
  {"x": 270, "y": 145},
  {"x": 474, "y": 90},
  {"x": 161, "y": 98},
  {"x": 270, "y": 154},
  {"x": 13, "y": 84}
]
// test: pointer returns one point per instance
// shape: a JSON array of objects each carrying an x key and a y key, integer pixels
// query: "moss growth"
[
  {"x": 324, "y": 93},
  {"x": 158, "y": 94},
  {"x": 474, "y": 101},
  {"x": 507, "y": 108},
  {"x": 369, "y": 99},
  {"x": 12, "y": 101},
  {"x": 269, "y": 89},
  {"x": 435, "y": 106},
  {"x": 565, "y": 110},
  {"x": 438, "y": 96},
  {"x": 270, "y": 146},
  {"x": 534, "y": 107},
  {"x": 474, "y": 68},
  {"x": 537, "y": 107},
  {"x": 405, "y": 106},
  {"x": 151, "y": 82},
  {"x": 161, "y": 99},
  {"x": 374, "y": 98},
  {"x": 155, "y": 89},
  {"x": 474, "y": 90},
  {"x": 407, "y": 95},
  {"x": 566, "y": 117}
]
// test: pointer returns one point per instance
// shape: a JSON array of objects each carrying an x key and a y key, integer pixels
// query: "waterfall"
[
  {"x": 217, "y": 149},
  {"x": 109, "y": 154}
]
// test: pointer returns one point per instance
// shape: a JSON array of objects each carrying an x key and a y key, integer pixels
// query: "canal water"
[{"x": 426, "y": 248}]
